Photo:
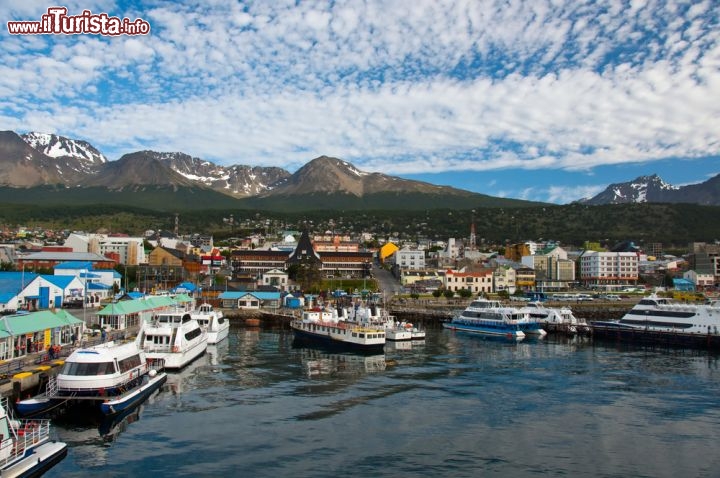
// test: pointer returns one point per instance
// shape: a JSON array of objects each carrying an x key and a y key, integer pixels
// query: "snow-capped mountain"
[
  {"x": 57, "y": 146},
  {"x": 653, "y": 189},
  {"x": 236, "y": 180}
]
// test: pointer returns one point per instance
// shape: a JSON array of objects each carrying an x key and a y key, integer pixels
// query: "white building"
[
  {"x": 701, "y": 280},
  {"x": 609, "y": 270},
  {"x": 410, "y": 259},
  {"x": 504, "y": 279},
  {"x": 129, "y": 250},
  {"x": 275, "y": 278}
]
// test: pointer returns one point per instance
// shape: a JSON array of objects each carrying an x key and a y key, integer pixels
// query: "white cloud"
[{"x": 400, "y": 87}]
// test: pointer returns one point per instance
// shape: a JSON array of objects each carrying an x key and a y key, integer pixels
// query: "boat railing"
[
  {"x": 51, "y": 389},
  {"x": 25, "y": 434}
]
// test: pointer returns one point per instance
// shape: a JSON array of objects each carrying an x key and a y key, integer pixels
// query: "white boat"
[
  {"x": 556, "y": 316},
  {"x": 216, "y": 326},
  {"x": 376, "y": 316},
  {"x": 173, "y": 337},
  {"x": 323, "y": 326},
  {"x": 489, "y": 317},
  {"x": 660, "y": 314},
  {"x": 25, "y": 445},
  {"x": 116, "y": 372}
]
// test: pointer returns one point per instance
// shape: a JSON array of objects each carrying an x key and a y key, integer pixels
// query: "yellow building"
[{"x": 387, "y": 250}]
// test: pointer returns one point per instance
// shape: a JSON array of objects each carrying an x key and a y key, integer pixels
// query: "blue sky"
[{"x": 540, "y": 100}]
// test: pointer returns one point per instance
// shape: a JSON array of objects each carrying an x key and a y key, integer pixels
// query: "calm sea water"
[{"x": 456, "y": 405}]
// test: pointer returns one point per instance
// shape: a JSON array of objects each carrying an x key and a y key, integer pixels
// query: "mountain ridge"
[
  {"x": 653, "y": 189},
  {"x": 54, "y": 163}
]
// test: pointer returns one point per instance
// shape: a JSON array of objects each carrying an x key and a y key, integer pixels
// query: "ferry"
[
  {"x": 216, "y": 326},
  {"x": 373, "y": 315},
  {"x": 660, "y": 314},
  {"x": 26, "y": 448},
  {"x": 111, "y": 376},
  {"x": 323, "y": 326},
  {"x": 489, "y": 317},
  {"x": 173, "y": 337}
]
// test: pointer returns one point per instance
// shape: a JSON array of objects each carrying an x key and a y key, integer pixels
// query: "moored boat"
[
  {"x": 322, "y": 326},
  {"x": 660, "y": 314},
  {"x": 216, "y": 326},
  {"x": 557, "y": 317},
  {"x": 116, "y": 372},
  {"x": 489, "y": 317},
  {"x": 173, "y": 337},
  {"x": 25, "y": 447}
]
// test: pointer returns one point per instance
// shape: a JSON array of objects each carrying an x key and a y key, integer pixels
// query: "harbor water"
[{"x": 454, "y": 405}]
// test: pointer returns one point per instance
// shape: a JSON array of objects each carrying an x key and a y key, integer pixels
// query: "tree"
[
  {"x": 449, "y": 294},
  {"x": 437, "y": 293},
  {"x": 465, "y": 293}
]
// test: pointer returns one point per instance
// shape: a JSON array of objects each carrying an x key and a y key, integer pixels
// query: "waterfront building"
[
  {"x": 609, "y": 270},
  {"x": 476, "y": 282},
  {"x": 504, "y": 279},
  {"x": 553, "y": 269}
]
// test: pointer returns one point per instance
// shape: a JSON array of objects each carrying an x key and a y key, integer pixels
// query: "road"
[{"x": 389, "y": 286}]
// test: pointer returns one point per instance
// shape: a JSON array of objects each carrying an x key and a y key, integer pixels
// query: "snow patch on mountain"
[{"x": 57, "y": 146}]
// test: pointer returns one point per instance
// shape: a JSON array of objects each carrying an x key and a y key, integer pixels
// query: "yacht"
[
  {"x": 173, "y": 337},
  {"x": 112, "y": 376},
  {"x": 555, "y": 316},
  {"x": 660, "y": 314},
  {"x": 490, "y": 317},
  {"x": 216, "y": 326}
]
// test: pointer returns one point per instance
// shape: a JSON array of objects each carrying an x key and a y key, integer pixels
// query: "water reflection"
[{"x": 317, "y": 362}]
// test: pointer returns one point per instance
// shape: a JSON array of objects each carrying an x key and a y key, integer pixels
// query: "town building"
[
  {"x": 126, "y": 250},
  {"x": 609, "y": 270},
  {"x": 504, "y": 279},
  {"x": 251, "y": 264},
  {"x": 480, "y": 282},
  {"x": 410, "y": 259}
]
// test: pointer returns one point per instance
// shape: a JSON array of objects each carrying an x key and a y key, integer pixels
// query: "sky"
[{"x": 540, "y": 100}]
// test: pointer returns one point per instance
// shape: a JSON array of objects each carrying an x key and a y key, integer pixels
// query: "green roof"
[
  {"x": 128, "y": 307},
  {"x": 13, "y": 325}
]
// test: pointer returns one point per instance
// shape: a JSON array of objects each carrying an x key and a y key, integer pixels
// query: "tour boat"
[
  {"x": 323, "y": 326},
  {"x": 173, "y": 337},
  {"x": 376, "y": 316},
  {"x": 115, "y": 373},
  {"x": 25, "y": 445},
  {"x": 489, "y": 317},
  {"x": 216, "y": 326},
  {"x": 555, "y": 316},
  {"x": 660, "y": 314}
]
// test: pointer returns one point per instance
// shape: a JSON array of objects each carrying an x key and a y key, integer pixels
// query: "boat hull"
[
  {"x": 215, "y": 337},
  {"x": 329, "y": 343},
  {"x": 37, "y": 461},
  {"x": 492, "y": 332},
  {"x": 178, "y": 360},
  {"x": 134, "y": 398}
]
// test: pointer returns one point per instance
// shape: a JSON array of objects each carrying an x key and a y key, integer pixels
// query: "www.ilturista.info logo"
[{"x": 57, "y": 21}]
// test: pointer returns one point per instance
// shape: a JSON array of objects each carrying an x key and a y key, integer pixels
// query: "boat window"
[
  {"x": 186, "y": 318},
  {"x": 85, "y": 369},
  {"x": 192, "y": 334},
  {"x": 129, "y": 363},
  {"x": 362, "y": 336}
]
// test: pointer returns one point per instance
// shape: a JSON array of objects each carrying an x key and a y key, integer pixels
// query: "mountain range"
[
  {"x": 652, "y": 189},
  {"x": 41, "y": 168}
]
